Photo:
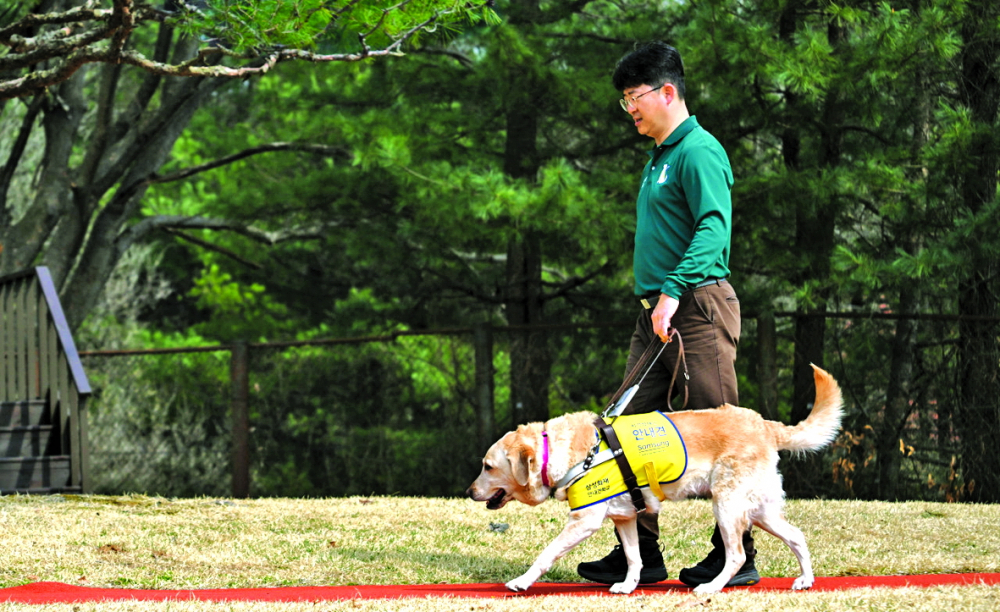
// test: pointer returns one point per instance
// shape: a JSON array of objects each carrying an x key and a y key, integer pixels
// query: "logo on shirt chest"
[{"x": 663, "y": 175}]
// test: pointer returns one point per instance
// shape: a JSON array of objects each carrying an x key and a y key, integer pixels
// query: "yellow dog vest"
[{"x": 645, "y": 438}]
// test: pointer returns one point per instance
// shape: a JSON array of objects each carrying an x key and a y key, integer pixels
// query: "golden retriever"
[{"x": 732, "y": 455}]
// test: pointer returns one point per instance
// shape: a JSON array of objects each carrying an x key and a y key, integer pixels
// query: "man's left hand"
[{"x": 665, "y": 309}]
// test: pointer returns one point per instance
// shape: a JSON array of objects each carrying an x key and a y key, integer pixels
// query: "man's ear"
[
  {"x": 669, "y": 90},
  {"x": 520, "y": 463}
]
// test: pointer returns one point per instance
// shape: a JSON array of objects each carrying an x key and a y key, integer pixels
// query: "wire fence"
[
  {"x": 400, "y": 414},
  {"x": 159, "y": 424},
  {"x": 325, "y": 419}
]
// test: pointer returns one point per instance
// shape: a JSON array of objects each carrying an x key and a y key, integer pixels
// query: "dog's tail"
[{"x": 822, "y": 424}]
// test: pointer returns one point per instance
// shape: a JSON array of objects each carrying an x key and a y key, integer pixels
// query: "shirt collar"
[{"x": 679, "y": 133}]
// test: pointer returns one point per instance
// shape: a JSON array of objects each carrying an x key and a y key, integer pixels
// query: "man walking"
[{"x": 680, "y": 264}]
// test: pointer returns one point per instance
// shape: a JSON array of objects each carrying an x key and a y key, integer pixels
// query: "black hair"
[{"x": 651, "y": 64}]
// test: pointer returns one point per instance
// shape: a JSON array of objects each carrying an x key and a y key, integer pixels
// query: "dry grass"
[
  {"x": 139, "y": 541},
  {"x": 952, "y": 599}
]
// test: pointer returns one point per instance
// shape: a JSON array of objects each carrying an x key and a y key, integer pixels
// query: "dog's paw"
[
  {"x": 519, "y": 584},
  {"x": 622, "y": 588},
  {"x": 802, "y": 583},
  {"x": 708, "y": 588}
]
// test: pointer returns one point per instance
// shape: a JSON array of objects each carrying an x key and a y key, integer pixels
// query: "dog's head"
[{"x": 509, "y": 472}]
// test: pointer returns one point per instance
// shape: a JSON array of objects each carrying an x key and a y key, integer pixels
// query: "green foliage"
[
  {"x": 12, "y": 11},
  {"x": 237, "y": 312},
  {"x": 255, "y": 26},
  {"x": 846, "y": 140},
  {"x": 390, "y": 418},
  {"x": 159, "y": 424},
  {"x": 271, "y": 22}
]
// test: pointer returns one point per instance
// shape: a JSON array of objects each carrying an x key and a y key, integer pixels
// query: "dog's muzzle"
[{"x": 497, "y": 501}]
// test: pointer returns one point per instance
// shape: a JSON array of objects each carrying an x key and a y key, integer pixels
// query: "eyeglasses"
[{"x": 627, "y": 102}]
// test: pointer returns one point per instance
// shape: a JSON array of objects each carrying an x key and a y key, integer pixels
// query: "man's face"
[{"x": 647, "y": 105}]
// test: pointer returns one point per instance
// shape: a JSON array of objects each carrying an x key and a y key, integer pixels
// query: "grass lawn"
[{"x": 146, "y": 542}]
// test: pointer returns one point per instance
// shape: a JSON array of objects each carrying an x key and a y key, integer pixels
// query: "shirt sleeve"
[{"x": 707, "y": 180}]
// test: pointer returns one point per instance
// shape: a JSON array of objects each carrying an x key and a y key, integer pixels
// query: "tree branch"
[
  {"x": 577, "y": 281},
  {"x": 175, "y": 223},
  {"x": 318, "y": 149},
  {"x": 36, "y": 81},
  {"x": 123, "y": 22},
  {"x": 14, "y": 157},
  {"x": 213, "y": 247},
  {"x": 170, "y": 108},
  {"x": 461, "y": 58},
  {"x": 71, "y": 51},
  {"x": 118, "y": 23},
  {"x": 74, "y": 15}
]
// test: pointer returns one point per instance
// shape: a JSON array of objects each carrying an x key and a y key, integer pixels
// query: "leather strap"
[
  {"x": 631, "y": 484},
  {"x": 673, "y": 379},
  {"x": 641, "y": 366}
]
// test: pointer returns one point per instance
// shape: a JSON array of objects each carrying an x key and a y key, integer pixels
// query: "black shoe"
[
  {"x": 712, "y": 565},
  {"x": 612, "y": 568}
]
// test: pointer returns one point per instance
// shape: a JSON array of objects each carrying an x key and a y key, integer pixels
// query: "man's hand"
[{"x": 666, "y": 306}]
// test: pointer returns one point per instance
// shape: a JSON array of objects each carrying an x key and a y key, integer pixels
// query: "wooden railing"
[{"x": 43, "y": 390}]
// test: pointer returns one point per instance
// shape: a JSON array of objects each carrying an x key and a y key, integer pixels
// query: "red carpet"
[{"x": 57, "y": 592}]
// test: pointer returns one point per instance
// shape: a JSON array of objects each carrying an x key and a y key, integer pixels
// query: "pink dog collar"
[{"x": 545, "y": 459}]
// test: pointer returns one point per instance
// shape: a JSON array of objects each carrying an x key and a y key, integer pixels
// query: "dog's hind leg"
[
  {"x": 582, "y": 524},
  {"x": 732, "y": 521},
  {"x": 629, "y": 535},
  {"x": 772, "y": 520}
]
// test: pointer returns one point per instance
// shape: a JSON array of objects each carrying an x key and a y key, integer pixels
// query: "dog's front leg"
[
  {"x": 582, "y": 524},
  {"x": 630, "y": 544}
]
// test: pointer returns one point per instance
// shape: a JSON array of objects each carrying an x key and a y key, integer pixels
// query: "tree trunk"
[
  {"x": 815, "y": 225},
  {"x": 899, "y": 392},
  {"x": 74, "y": 224},
  {"x": 767, "y": 366},
  {"x": 530, "y": 361},
  {"x": 808, "y": 333},
  {"x": 897, "y": 398},
  {"x": 978, "y": 415},
  {"x": 105, "y": 244}
]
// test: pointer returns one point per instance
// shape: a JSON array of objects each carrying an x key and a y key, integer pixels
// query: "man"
[{"x": 681, "y": 261}]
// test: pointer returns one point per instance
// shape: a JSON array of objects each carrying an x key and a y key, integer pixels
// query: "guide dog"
[{"x": 732, "y": 456}]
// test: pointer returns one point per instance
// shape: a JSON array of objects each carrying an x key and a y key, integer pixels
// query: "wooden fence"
[{"x": 43, "y": 390}]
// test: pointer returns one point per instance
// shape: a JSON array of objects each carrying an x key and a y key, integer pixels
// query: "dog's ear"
[{"x": 520, "y": 463}]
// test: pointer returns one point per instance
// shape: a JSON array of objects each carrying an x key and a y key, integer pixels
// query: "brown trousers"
[{"x": 708, "y": 321}]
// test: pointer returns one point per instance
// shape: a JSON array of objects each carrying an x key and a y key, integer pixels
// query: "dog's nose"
[{"x": 469, "y": 492}]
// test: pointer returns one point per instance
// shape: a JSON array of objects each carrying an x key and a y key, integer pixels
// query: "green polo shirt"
[{"x": 683, "y": 213}]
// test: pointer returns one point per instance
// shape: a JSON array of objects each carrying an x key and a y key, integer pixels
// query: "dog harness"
[{"x": 654, "y": 449}]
